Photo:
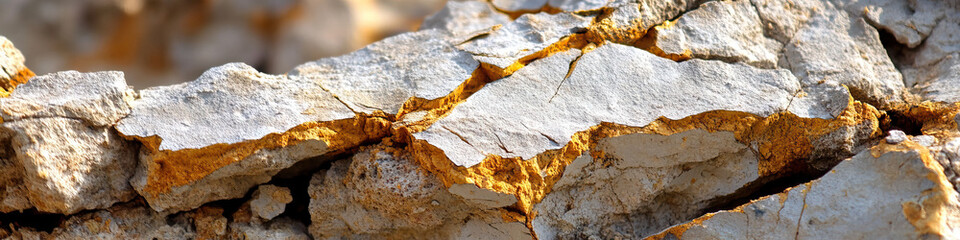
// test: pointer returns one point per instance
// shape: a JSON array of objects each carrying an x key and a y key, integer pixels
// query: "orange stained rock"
[
  {"x": 783, "y": 143},
  {"x": 649, "y": 42},
  {"x": 21, "y": 77},
  {"x": 181, "y": 167}
]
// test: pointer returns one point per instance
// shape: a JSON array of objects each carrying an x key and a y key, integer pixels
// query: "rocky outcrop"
[{"x": 519, "y": 120}]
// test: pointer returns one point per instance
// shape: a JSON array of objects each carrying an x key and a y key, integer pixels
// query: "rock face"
[
  {"x": 898, "y": 188},
  {"x": 64, "y": 156},
  {"x": 806, "y": 119}
]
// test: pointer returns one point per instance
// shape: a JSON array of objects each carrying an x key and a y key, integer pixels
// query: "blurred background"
[{"x": 162, "y": 42}]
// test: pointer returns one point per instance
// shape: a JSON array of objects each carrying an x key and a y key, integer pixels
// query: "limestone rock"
[
  {"x": 888, "y": 192},
  {"x": 909, "y": 21},
  {"x": 12, "y": 70},
  {"x": 654, "y": 182},
  {"x": 834, "y": 47},
  {"x": 99, "y": 99},
  {"x": 497, "y": 121},
  {"x": 123, "y": 221},
  {"x": 465, "y": 19},
  {"x": 281, "y": 228},
  {"x": 578, "y": 5},
  {"x": 933, "y": 68},
  {"x": 381, "y": 192},
  {"x": 230, "y": 144},
  {"x": 525, "y": 36},
  {"x": 62, "y": 144},
  {"x": 270, "y": 201},
  {"x": 725, "y": 30},
  {"x": 383, "y": 75}
]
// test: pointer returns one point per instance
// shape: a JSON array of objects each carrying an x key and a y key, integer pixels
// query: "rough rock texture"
[
  {"x": 899, "y": 189},
  {"x": 270, "y": 201},
  {"x": 380, "y": 192},
  {"x": 63, "y": 155},
  {"x": 383, "y": 75},
  {"x": 232, "y": 144},
  {"x": 508, "y": 119}
]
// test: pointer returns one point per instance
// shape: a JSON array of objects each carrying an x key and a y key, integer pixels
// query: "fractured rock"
[
  {"x": 270, "y": 201},
  {"x": 909, "y": 21},
  {"x": 724, "y": 30},
  {"x": 230, "y": 130},
  {"x": 891, "y": 191},
  {"x": 465, "y": 19},
  {"x": 519, "y": 5},
  {"x": 497, "y": 121},
  {"x": 521, "y": 39},
  {"x": 381, "y": 192},
  {"x": 834, "y": 47},
  {"x": 644, "y": 183},
  {"x": 381, "y": 76},
  {"x": 60, "y": 132}
]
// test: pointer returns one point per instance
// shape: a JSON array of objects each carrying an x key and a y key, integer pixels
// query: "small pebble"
[{"x": 896, "y": 136}]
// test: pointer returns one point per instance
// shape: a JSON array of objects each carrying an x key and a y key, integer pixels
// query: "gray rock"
[
  {"x": 924, "y": 140},
  {"x": 833, "y": 47},
  {"x": 723, "y": 30},
  {"x": 99, "y": 99},
  {"x": 782, "y": 19},
  {"x": 465, "y": 19},
  {"x": 281, "y": 228},
  {"x": 651, "y": 182},
  {"x": 225, "y": 99},
  {"x": 613, "y": 83},
  {"x": 382, "y": 76},
  {"x": 63, "y": 149},
  {"x": 933, "y": 68},
  {"x": 525, "y": 36},
  {"x": 825, "y": 101},
  {"x": 204, "y": 120},
  {"x": 269, "y": 201},
  {"x": 898, "y": 194},
  {"x": 896, "y": 136},
  {"x": 909, "y": 21},
  {"x": 381, "y": 193}
]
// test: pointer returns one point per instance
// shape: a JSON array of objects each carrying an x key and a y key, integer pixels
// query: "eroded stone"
[
  {"x": 12, "y": 70},
  {"x": 269, "y": 201},
  {"x": 465, "y": 19},
  {"x": 383, "y": 75},
  {"x": 525, "y": 36},
  {"x": 891, "y": 191}
]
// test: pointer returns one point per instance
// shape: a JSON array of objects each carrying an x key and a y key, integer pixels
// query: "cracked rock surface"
[{"x": 510, "y": 119}]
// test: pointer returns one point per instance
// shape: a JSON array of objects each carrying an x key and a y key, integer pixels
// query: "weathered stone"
[
  {"x": 383, "y": 75},
  {"x": 62, "y": 144},
  {"x": 656, "y": 181},
  {"x": 891, "y": 191},
  {"x": 381, "y": 192},
  {"x": 269, "y": 201},
  {"x": 12, "y": 70},
  {"x": 909, "y": 21},
  {"x": 829, "y": 46},
  {"x": 933, "y": 68},
  {"x": 497, "y": 121},
  {"x": 465, "y": 19},
  {"x": 725, "y": 30},
  {"x": 896, "y": 136},
  {"x": 98, "y": 99},
  {"x": 230, "y": 143},
  {"x": 525, "y": 36}
]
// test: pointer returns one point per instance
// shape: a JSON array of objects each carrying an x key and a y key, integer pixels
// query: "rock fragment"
[
  {"x": 232, "y": 129},
  {"x": 724, "y": 30},
  {"x": 385, "y": 74},
  {"x": 60, "y": 133},
  {"x": 12, "y": 70},
  {"x": 519, "y": 5},
  {"x": 269, "y": 201},
  {"x": 465, "y": 19},
  {"x": 524, "y": 39},
  {"x": 896, "y": 136},
  {"x": 381, "y": 193},
  {"x": 554, "y": 107},
  {"x": 894, "y": 191}
]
